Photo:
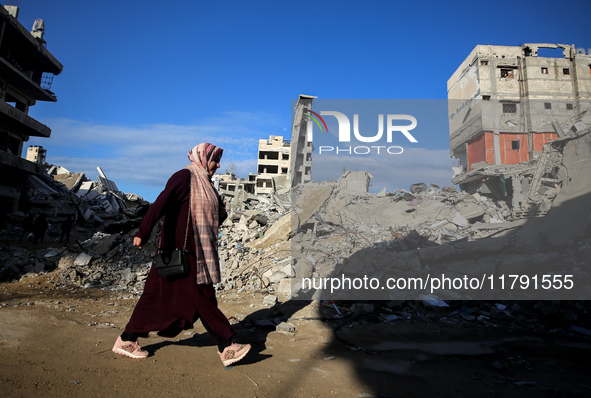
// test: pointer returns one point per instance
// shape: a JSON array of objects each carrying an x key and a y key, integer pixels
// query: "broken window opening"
[
  {"x": 484, "y": 62},
  {"x": 509, "y": 108},
  {"x": 268, "y": 169},
  {"x": 565, "y": 71},
  {"x": 486, "y": 97},
  {"x": 569, "y": 107},
  {"x": 261, "y": 183},
  {"x": 507, "y": 73},
  {"x": 270, "y": 155},
  {"x": 544, "y": 71},
  {"x": 545, "y": 52},
  {"x": 284, "y": 170},
  {"x": 547, "y": 105},
  {"x": 515, "y": 144}
]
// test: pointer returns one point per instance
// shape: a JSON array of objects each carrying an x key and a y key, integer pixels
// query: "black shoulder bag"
[{"x": 174, "y": 262}]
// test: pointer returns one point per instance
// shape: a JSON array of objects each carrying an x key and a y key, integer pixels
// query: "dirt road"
[{"x": 57, "y": 343}]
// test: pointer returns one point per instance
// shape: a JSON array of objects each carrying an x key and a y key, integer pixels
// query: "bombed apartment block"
[
  {"x": 272, "y": 164},
  {"x": 27, "y": 69},
  {"x": 228, "y": 184},
  {"x": 511, "y": 110},
  {"x": 506, "y": 102}
]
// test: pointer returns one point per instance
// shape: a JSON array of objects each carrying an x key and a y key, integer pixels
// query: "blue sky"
[{"x": 145, "y": 81}]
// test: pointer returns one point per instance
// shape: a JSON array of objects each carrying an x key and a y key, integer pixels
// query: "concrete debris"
[
  {"x": 329, "y": 228},
  {"x": 270, "y": 300},
  {"x": 83, "y": 259},
  {"x": 61, "y": 194},
  {"x": 418, "y": 188},
  {"x": 354, "y": 182},
  {"x": 484, "y": 228},
  {"x": 285, "y": 327}
]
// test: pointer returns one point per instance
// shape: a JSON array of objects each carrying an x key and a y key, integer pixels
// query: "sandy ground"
[{"x": 57, "y": 343}]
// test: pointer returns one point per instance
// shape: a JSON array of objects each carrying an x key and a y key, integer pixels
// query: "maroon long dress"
[{"x": 170, "y": 305}]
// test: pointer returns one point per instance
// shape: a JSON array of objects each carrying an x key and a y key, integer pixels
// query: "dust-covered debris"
[{"x": 313, "y": 229}]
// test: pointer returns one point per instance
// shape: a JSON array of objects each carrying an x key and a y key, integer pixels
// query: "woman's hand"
[{"x": 137, "y": 241}]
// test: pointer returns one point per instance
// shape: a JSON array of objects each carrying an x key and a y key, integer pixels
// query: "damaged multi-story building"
[
  {"x": 283, "y": 163},
  {"x": 228, "y": 184},
  {"x": 272, "y": 164},
  {"x": 506, "y": 104},
  {"x": 27, "y": 69}
]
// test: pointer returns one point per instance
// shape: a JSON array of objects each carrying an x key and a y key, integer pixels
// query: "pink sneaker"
[
  {"x": 234, "y": 353},
  {"x": 129, "y": 348}
]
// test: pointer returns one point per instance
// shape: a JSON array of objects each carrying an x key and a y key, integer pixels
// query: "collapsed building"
[
  {"x": 507, "y": 106},
  {"x": 27, "y": 69},
  {"x": 228, "y": 184}
]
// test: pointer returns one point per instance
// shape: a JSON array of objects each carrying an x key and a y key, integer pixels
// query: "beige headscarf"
[{"x": 205, "y": 212}]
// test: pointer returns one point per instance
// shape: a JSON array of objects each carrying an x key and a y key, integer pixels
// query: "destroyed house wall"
[{"x": 479, "y": 149}]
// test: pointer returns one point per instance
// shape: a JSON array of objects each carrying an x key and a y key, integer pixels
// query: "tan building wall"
[
  {"x": 273, "y": 164},
  {"x": 36, "y": 154}
]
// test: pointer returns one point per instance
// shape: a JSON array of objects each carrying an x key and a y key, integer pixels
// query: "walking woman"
[{"x": 172, "y": 304}]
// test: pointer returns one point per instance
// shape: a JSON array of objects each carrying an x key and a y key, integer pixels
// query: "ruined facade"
[
  {"x": 26, "y": 73},
  {"x": 506, "y": 102},
  {"x": 36, "y": 154},
  {"x": 301, "y": 142},
  {"x": 272, "y": 164},
  {"x": 228, "y": 184}
]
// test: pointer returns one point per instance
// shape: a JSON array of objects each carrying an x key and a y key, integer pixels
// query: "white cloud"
[{"x": 140, "y": 159}]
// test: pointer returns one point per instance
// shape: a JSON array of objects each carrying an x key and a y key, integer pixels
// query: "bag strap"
[
  {"x": 188, "y": 219},
  {"x": 186, "y": 231}
]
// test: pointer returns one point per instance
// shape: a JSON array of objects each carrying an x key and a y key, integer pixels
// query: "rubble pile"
[
  {"x": 103, "y": 221},
  {"x": 332, "y": 220},
  {"x": 254, "y": 242},
  {"x": 96, "y": 201},
  {"x": 335, "y": 227},
  {"x": 103, "y": 261},
  {"x": 342, "y": 234}
]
